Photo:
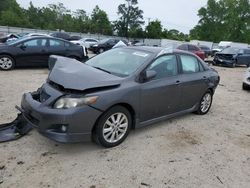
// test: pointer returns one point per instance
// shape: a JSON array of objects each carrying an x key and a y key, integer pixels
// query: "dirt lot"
[{"x": 190, "y": 151}]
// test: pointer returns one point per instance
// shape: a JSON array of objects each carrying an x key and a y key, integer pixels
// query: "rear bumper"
[{"x": 62, "y": 125}]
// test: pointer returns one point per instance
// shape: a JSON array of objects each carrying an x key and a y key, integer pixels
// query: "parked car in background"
[
  {"x": 105, "y": 44},
  {"x": 116, "y": 91},
  {"x": 8, "y": 37},
  {"x": 61, "y": 35},
  {"x": 206, "y": 49},
  {"x": 35, "y": 51},
  {"x": 87, "y": 42},
  {"x": 232, "y": 57},
  {"x": 192, "y": 48},
  {"x": 73, "y": 38},
  {"x": 217, "y": 49},
  {"x": 246, "y": 80}
]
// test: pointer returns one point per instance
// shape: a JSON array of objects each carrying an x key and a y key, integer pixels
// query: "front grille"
[
  {"x": 225, "y": 56},
  {"x": 44, "y": 96}
]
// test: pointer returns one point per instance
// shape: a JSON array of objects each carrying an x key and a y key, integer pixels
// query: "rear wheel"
[
  {"x": 245, "y": 86},
  {"x": 205, "y": 103},
  {"x": 6, "y": 62},
  {"x": 101, "y": 50},
  {"x": 113, "y": 127}
]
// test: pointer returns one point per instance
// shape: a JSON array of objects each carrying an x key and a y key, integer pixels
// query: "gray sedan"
[{"x": 119, "y": 90}]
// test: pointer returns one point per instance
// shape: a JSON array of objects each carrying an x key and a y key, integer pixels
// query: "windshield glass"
[
  {"x": 230, "y": 51},
  {"x": 103, "y": 41},
  {"x": 120, "y": 62},
  {"x": 14, "y": 41}
]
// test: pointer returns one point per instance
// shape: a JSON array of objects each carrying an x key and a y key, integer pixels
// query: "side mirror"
[
  {"x": 23, "y": 47},
  {"x": 148, "y": 75}
]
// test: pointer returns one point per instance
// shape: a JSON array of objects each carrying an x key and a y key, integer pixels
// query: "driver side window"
[
  {"x": 35, "y": 43},
  {"x": 164, "y": 66}
]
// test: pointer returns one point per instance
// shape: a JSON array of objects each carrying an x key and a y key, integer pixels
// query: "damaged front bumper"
[
  {"x": 62, "y": 125},
  {"x": 14, "y": 130}
]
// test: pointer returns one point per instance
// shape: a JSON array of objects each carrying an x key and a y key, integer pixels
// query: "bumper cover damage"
[{"x": 15, "y": 129}]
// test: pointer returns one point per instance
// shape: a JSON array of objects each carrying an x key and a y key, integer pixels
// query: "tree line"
[{"x": 219, "y": 20}]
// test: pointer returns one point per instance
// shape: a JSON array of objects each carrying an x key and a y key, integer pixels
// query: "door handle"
[{"x": 177, "y": 82}]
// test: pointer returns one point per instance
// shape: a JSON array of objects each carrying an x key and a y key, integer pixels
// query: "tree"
[
  {"x": 131, "y": 18},
  {"x": 154, "y": 29},
  {"x": 224, "y": 20},
  {"x": 12, "y": 14},
  {"x": 100, "y": 22}
]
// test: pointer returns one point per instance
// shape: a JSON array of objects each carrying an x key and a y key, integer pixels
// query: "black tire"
[
  {"x": 11, "y": 61},
  {"x": 98, "y": 133},
  {"x": 245, "y": 86},
  {"x": 248, "y": 65},
  {"x": 200, "y": 111},
  {"x": 233, "y": 65},
  {"x": 101, "y": 50}
]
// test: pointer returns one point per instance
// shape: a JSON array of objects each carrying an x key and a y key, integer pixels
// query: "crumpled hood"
[{"x": 72, "y": 74}]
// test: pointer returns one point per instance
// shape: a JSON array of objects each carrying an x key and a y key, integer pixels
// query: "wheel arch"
[{"x": 125, "y": 105}]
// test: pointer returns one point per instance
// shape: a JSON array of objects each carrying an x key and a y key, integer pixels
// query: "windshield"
[
  {"x": 230, "y": 51},
  {"x": 14, "y": 41},
  {"x": 103, "y": 41},
  {"x": 120, "y": 61}
]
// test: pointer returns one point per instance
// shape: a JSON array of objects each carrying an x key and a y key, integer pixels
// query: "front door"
[
  {"x": 161, "y": 96},
  {"x": 32, "y": 52}
]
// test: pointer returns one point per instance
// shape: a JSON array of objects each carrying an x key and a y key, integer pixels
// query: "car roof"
[{"x": 159, "y": 50}]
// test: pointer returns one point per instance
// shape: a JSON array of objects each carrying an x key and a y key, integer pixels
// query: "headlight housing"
[{"x": 74, "y": 101}]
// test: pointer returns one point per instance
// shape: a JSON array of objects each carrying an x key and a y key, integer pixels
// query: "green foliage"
[
  {"x": 154, "y": 30},
  {"x": 12, "y": 14},
  {"x": 224, "y": 20},
  {"x": 100, "y": 22},
  {"x": 131, "y": 19}
]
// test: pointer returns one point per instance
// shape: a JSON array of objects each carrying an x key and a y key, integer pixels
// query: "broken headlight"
[{"x": 72, "y": 102}]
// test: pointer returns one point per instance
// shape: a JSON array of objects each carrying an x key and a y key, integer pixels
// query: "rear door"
[
  {"x": 193, "y": 81},
  {"x": 161, "y": 96},
  {"x": 32, "y": 52},
  {"x": 57, "y": 47}
]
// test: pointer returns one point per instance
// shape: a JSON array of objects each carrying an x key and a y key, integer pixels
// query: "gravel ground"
[{"x": 189, "y": 151}]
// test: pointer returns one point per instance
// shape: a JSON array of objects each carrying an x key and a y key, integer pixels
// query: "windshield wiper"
[{"x": 99, "y": 68}]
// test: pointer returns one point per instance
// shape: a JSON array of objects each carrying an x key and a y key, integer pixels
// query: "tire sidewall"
[
  {"x": 13, "y": 62},
  {"x": 101, "y": 122}
]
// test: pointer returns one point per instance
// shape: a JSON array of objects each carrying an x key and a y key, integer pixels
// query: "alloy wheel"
[
  {"x": 115, "y": 127},
  {"x": 6, "y": 63},
  {"x": 206, "y": 102}
]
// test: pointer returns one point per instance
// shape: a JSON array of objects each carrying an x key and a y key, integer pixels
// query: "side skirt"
[{"x": 163, "y": 118}]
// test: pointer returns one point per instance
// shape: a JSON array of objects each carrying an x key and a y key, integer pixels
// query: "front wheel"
[
  {"x": 6, "y": 62},
  {"x": 245, "y": 86},
  {"x": 205, "y": 103},
  {"x": 113, "y": 127}
]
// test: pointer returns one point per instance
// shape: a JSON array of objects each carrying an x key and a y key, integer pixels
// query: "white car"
[
  {"x": 87, "y": 42},
  {"x": 246, "y": 81}
]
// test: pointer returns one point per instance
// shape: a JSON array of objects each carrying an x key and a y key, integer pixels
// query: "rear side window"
[
  {"x": 164, "y": 66},
  {"x": 56, "y": 43},
  {"x": 189, "y": 64}
]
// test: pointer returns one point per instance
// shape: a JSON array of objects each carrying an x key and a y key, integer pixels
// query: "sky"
[{"x": 174, "y": 14}]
